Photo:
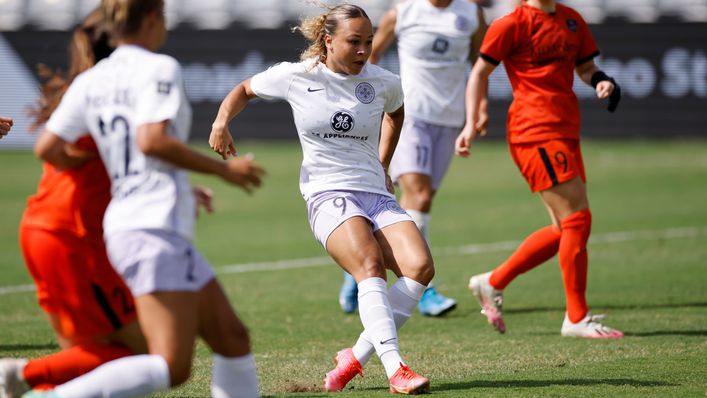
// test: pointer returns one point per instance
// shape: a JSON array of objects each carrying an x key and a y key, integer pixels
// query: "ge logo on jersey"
[
  {"x": 342, "y": 122},
  {"x": 365, "y": 92},
  {"x": 440, "y": 46}
]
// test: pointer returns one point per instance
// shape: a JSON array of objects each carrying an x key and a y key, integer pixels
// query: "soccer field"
[{"x": 647, "y": 271}]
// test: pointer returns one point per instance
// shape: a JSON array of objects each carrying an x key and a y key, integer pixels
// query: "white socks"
[
  {"x": 133, "y": 376},
  {"x": 403, "y": 296},
  {"x": 377, "y": 319},
  {"x": 422, "y": 220},
  {"x": 234, "y": 377}
]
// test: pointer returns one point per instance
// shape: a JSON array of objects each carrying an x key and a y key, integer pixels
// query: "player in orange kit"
[
  {"x": 89, "y": 306},
  {"x": 541, "y": 44}
]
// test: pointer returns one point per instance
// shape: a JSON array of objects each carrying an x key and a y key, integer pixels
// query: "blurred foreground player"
[
  {"x": 135, "y": 107},
  {"x": 89, "y": 306}
]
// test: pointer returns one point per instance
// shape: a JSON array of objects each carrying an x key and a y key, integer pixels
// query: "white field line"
[{"x": 609, "y": 237}]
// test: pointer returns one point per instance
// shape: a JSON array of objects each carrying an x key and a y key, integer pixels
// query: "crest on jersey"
[
  {"x": 342, "y": 122},
  {"x": 365, "y": 92},
  {"x": 572, "y": 25},
  {"x": 440, "y": 46},
  {"x": 461, "y": 23}
]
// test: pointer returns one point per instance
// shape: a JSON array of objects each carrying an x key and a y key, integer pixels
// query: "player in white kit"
[
  {"x": 348, "y": 116},
  {"x": 436, "y": 41},
  {"x": 134, "y": 105}
]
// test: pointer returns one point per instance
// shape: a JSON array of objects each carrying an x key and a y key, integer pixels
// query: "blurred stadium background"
[{"x": 655, "y": 48}]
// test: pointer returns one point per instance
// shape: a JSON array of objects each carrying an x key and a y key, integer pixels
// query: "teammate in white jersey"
[
  {"x": 348, "y": 116},
  {"x": 134, "y": 105},
  {"x": 436, "y": 40}
]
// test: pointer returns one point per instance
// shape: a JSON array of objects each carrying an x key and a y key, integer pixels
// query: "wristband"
[
  {"x": 615, "y": 96},
  {"x": 599, "y": 76}
]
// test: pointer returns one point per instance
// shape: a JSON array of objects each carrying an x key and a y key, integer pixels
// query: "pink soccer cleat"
[
  {"x": 347, "y": 367},
  {"x": 405, "y": 381},
  {"x": 490, "y": 299},
  {"x": 589, "y": 328}
]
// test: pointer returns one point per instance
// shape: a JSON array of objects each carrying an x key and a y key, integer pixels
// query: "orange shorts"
[
  {"x": 76, "y": 282},
  {"x": 545, "y": 164}
]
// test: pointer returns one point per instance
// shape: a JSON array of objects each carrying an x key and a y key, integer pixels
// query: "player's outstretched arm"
[
  {"x": 55, "y": 150},
  {"x": 154, "y": 140},
  {"x": 385, "y": 35},
  {"x": 605, "y": 86},
  {"x": 476, "y": 117},
  {"x": 5, "y": 125},
  {"x": 220, "y": 139}
]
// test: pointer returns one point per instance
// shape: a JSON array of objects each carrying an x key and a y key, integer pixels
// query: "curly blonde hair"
[{"x": 315, "y": 28}]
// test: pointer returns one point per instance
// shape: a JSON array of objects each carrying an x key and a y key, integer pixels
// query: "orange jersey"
[
  {"x": 71, "y": 200},
  {"x": 540, "y": 51}
]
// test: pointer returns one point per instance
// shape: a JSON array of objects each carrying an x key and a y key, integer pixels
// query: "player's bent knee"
[
  {"x": 422, "y": 271},
  {"x": 421, "y": 200},
  {"x": 372, "y": 268}
]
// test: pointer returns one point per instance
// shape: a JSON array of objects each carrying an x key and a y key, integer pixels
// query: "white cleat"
[
  {"x": 589, "y": 328},
  {"x": 490, "y": 299},
  {"x": 12, "y": 383}
]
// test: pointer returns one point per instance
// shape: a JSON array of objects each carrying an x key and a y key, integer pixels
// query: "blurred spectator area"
[{"x": 220, "y": 14}]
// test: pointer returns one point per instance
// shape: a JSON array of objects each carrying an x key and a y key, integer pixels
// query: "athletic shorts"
[
  {"x": 329, "y": 209},
  {"x": 153, "y": 261},
  {"x": 76, "y": 282},
  {"x": 545, "y": 164},
  {"x": 424, "y": 148}
]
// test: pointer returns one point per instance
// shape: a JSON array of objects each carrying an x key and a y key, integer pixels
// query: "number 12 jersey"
[{"x": 131, "y": 88}]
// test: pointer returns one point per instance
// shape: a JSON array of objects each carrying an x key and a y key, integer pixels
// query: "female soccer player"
[
  {"x": 434, "y": 59},
  {"x": 89, "y": 306},
  {"x": 541, "y": 43},
  {"x": 134, "y": 105},
  {"x": 338, "y": 102}
]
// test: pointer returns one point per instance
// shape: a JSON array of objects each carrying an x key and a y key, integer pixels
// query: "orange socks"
[
  {"x": 68, "y": 364},
  {"x": 573, "y": 262},
  {"x": 541, "y": 246},
  {"x": 537, "y": 248}
]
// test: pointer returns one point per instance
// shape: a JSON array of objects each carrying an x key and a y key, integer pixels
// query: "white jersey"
[
  {"x": 433, "y": 47},
  {"x": 338, "y": 119},
  {"x": 130, "y": 88}
]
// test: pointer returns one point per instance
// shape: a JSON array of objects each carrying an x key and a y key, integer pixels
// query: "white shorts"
[
  {"x": 329, "y": 209},
  {"x": 157, "y": 261},
  {"x": 424, "y": 148}
]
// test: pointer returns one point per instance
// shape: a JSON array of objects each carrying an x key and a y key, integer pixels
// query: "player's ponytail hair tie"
[{"x": 315, "y": 28}]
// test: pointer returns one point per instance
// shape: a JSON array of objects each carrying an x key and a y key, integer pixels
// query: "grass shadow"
[
  {"x": 549, "y": 383},
  {"x": 20, "y": 347},
  {"x": 668, "y": 333},
  {"x": 531, "y": 310}
]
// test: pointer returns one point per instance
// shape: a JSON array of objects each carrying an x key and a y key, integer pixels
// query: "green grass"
[{"x": 653, "y": 287}]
